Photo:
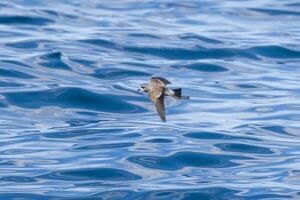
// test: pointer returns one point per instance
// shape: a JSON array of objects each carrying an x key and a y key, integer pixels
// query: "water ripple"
[
  {"x": 187, "y": 159},
  {"x": 70, "y": 98},
  {"x": 25, "y": 20},
  {"x": 54, "y": 60},
  {"x": 104, "y": 174},
  {"x": 14, "y": 74}
]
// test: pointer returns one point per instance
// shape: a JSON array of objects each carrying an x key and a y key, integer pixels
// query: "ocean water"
[{"x": 73, "y": 126}]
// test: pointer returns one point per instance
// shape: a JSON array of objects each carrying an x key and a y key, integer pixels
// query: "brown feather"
[
  {"x": 156, "y": 95},
  {"x": 159, "y": 80},
  {"x": 157, "y": 89},
  {"x": 160, "y": 108}
]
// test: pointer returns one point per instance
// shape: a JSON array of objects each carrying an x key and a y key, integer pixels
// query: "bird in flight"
[{"x": 157, "y": 89}]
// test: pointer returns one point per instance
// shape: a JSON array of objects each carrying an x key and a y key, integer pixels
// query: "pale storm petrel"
[{"x": 157, "y": 89}]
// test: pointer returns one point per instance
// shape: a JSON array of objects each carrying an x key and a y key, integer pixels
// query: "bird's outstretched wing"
[
  {"x": 156, "y": 95},
  {"x": 160, "y": 108},
  {"x": 159, "y": 80}
]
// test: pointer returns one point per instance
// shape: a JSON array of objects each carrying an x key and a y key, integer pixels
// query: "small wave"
[
  {"x": 204, "y": 67},
  {"x": 275, "y": 12},
  {"x": 25, "y": 20},
  {"x": 244, "y": 148},
  {"x": 14, "y": 74},
  {"x": 71, "y": 98},
  {"x": 54, "y": 60},
  {"x": 186, "y": 159},
  {"x": 103, "y": 174},
  {"x": 275, "y": 52}
]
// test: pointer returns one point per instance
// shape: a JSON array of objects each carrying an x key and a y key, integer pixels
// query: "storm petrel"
[{"x": 157, "y": 89}]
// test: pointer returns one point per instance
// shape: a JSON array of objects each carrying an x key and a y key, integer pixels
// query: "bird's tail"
[{"x": 177, "y": 94}]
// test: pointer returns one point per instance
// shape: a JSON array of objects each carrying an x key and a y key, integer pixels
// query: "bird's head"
[{"x": 144, "y": 87}]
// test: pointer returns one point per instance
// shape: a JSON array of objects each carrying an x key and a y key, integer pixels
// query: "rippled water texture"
[{"x": 72, "y": 125}]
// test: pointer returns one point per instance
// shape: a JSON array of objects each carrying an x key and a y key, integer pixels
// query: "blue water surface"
[{"x": 73, "y": 126}]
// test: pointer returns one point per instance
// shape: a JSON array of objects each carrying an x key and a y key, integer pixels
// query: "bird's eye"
[{"x": 143, "y": 87}]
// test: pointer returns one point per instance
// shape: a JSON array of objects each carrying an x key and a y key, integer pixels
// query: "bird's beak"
[{"x": 138, "y": 89}]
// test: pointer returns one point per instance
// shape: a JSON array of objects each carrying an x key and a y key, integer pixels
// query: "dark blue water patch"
[
  {"x": 273, "y": 51},
  {"x": 17, "y": 179},
  {"x": 293, "y": 5},
  {"x": 276, "y": 129},
  {"x": 106, "y": 146},
  {"x": 200, "y": 194},
  {"x": 204, "y": 67},
  {"x": 100, "y": 43},
  {"x": 9, "y": 84},
  {"x": 7, "y": 163},
  {"x": 274, "y": 12},
  {"x": 186, "y": 159},
  {"x": 205, "y": 194},
  {"x": 130, "y": 135},
  {"x": 143, "y": 35},
  {"x": 191, "y": 54},
  {"x": 210, "y": 193},
  {"x": 269, "y": 196},
  {"x": 159, "y": 140},
  {"x": 78, "y": 133},
  {"x": 14, "y": 74},
  {"x": 23, "y": 44},
  {"x": 117, "y": 73},
  {"x": 37, "y": 196},
  {"x": 27, "y": 44},
  {"x": 54, "y": 60},
  {"x": 216, "y": 136},
  {"x": 24, "y": 20},
  {"x": 3, "y": 104},
  {"x": 5, "y": 5},
  {"x": 16, "y": 63},
  {"x": 71, "y": 98},
  {"x": 247, "y": 86},
  {"x": 28, "y": 196},
  {"x": 192, "y": 36},
  {"x": 244, "y": 148},
  {"x": 100, "y": 174},
  {"x": 262, "y": 96}
]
